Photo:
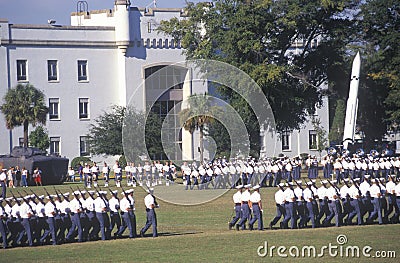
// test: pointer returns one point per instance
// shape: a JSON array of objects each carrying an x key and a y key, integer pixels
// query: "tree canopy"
[
  {"x": 24, "y": 105},
  {"x": 39, "y": 138},
  {"x": 106, "y": 133}
]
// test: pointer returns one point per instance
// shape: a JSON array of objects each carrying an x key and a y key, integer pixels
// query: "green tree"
[
  {"x": 259, "y": 37},
  {"x": 337, "y": 127},
  {"x": 322, "y": 141},
  {"x": 379, "y": 33},
  {"x": 199, "y": 113},
  {"x": 106, "y": 133},
  {"x": 24, "y": 105},
  {"x": 39, "y": 138}
]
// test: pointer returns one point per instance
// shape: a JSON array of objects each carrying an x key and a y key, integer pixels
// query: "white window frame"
[
  {"x": 83, "y": 112},
  {"x": 54, "y": 105},
  {"x": 312, "y": 133},
  {"x": 286, "y": 141},
  {"x": 83, "y": 72},
  {"x": 84, "y": 143},
  {"x": 55, "y": 142},
  {"x": 52, "y": 70},
  {"x": 22, "y": 70}
]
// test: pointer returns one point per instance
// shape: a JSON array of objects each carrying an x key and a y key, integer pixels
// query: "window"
[
  {"x": 312, "y": 140},
  {"x": 54, "y": 108},
  {"x": 83, "y": 108},
  {"x": 285, "y": 138},
  {"x": 82, "y": 70},
  {"x": 52, "y": 71},
  {"x": 22, "y": 70},
  {"x": 21, "y": 142},
  {"x": 84, "y": 146},
  {"x": 55, "y": 145}
]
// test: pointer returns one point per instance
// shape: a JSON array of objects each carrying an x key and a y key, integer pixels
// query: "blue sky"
[{"x": 39, "y": 11}]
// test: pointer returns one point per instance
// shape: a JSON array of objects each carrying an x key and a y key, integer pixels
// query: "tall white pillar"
[{"x": 122, "y": 39}]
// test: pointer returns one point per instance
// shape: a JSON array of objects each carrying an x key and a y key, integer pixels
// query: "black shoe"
[
  {"x": 237, "y": 227},
  {"x": 270, "y": 225},
  {"x": 141, "y": 234},
  {"x": 230, "y": 226},
  {"x": 251, "y": 227}
]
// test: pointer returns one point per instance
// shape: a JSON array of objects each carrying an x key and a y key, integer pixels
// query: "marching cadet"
[
  {"x": 356, "y": 203},
  {"x": 106, "y": 174},
  {"x": 290, "y": 207},
  {"x": 256, "y": 207},
  {"x": 128, "y": 174},
  {"x": 95, "y": 171},
  {"x": 384, "y": 203},
  {"x": 65, "y": 218},
  {"x": 345, "y": 197},
  {"x": 51, "y": 212},
  {"x": 186, "y": 171},
  {"x": 195, "y": 176},
  {"x": 151, "y": 219},
  {"x": 76, "y": 208},
  {"x": 41, "y": 217},
  {"x": 245, "y": 199},
  {"x": 3, "y": 216},
  {"x": 115, "y": 219},
  {"x": 87, "y": 175},
  {"x": 101, "y": 208},
  {"x": 397, "y": 207},
  {"x": 375, "y": 192},
  {"x": 25, "y": 213},
  {"x": 390, "y": 192},
  {"x": 237, "y": 200},
  {"x": 127, "y": 207},
  {"x": 334, "y": 205},
  {"x": 365, "y": 194},
  {"x": 309, "y": 197},
  {"x": 323, "y": 202},
  {"x": 59, "y": 227},
  {"x": 300, "y": 204},
  {"x": 117, "y": 173},
  {"x": 280, "y": 205},
  {"x": 93, "y": 224}
]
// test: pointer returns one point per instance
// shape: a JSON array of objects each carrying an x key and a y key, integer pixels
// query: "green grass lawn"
[{"x": 200, "y": 234}]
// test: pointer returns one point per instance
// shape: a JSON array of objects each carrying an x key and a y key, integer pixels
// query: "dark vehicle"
[{"x": 54, "y": 168}]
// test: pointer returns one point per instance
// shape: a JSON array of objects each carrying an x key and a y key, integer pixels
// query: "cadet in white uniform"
[
  {"x": 151, "y": 219},
  {"x": 256, "y": 207}
]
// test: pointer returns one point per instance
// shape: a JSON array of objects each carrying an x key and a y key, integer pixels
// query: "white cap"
[
  {"x": 240, "y": 186},
  {"x": 77, "y": 193},
  {"x": 346, "y": 179},
  {"x": 27, "y": 197},
  {"x": 256, "y": 187},
  {"x": 129, "y": 191},
  {"x": 333, "y": 182},
  {"x": 1, "y": 199},
  {"x": 299, "y": 182},
  {"x": 33, "y": 196},
  {"x": 115, "y": 192},
  {"x": 366, "y": 175},
  {"x": 9, "y": 199},
  {"x": 309, "y": 183},
  {"x": 247, "y": 186},
  {"x": 41, "y": 196},
  {"x": 313, "y": 180},
  {"x": 324, "y": 181},
  {"x": 66, "y": 194},
  {"x": 281, "y": 184}
]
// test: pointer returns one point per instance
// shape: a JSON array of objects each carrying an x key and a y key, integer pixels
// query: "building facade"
[{"x": 102, "y": 59}]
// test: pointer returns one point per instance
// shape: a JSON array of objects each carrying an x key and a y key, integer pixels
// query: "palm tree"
[
  {"x": 199, "y": 113},
  {"x": 24, "y": 105}
]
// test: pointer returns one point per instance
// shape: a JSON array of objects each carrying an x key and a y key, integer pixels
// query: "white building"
[{"x": 95, "y": 63}]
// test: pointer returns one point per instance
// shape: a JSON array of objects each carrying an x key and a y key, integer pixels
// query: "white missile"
[{"x": 352, "y": 103}]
